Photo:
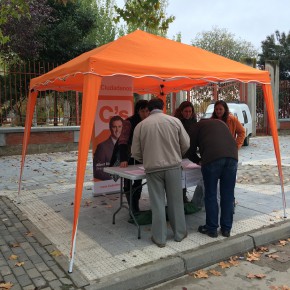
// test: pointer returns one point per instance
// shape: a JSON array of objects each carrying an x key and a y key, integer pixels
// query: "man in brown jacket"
[{"x": 219, "y": 162}]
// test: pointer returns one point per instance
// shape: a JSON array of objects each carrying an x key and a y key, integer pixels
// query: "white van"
[{"x": 242, "y": 112}]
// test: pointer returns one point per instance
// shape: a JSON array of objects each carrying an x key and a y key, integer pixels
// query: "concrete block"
[
  {"x": 271, "y": 234},
  {"x": 76, "y": 136},
  {"x": 210, "y": 254},
  {"x": 2, "y": 140},
  {"x": 142, "y": 277}
]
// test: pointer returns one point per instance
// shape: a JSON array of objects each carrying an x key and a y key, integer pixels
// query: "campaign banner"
[{"x": 115, "y": 104}]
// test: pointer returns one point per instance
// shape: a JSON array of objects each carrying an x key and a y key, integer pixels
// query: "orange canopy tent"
[{"x": 158, "y": 66}]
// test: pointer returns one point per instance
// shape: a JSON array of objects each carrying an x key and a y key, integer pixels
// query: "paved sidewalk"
[{"x": 37, "y": 225}]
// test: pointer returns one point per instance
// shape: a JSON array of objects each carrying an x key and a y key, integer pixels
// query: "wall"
[{"x": 42, "y": 139}]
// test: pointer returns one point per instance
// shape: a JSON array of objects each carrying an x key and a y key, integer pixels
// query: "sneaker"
[
  {"x": 226, "y": 233},
  {"x": 157, "y": 244},
  {"x": 205, "y": 231}
]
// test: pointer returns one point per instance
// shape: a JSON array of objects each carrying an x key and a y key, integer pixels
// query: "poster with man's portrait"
[{"x": 115, "y": 105}]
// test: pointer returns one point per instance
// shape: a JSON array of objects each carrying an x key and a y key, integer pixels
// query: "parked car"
[{"x": 242, "y": 112}]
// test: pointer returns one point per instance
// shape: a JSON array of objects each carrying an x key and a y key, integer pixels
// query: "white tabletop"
[{"x": 135, "y": 172}]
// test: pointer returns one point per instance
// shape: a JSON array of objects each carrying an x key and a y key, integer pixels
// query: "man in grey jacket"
[{"x": 159, "y": 142}]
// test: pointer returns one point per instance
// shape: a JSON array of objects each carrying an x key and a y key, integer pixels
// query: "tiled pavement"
[{"x": 37, "y": 224}]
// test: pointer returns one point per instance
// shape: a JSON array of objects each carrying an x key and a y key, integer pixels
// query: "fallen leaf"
[
  {"x": 200, "y": 274},
  {"x": 254, "y": 256},
  {"x": 258, "y": 276},
  {"x": 56, "y": 253},
  {"x": 13, "y": 257},
  {"x": 7, "y": 285},
  {"x": 282, "y": 243},
  {"x": 15, "y": 245},
  {"x": 88, "y": 202},
  {"x": 262, "y": 249},
  {"x": 224, "y": 265},
  {"x": 234, "y": 262},
  {"x": 29, "y": 234},
  {"x": 273, "y": 256},
  {"x": 108, "y": 206},
  {"x": 19, "y": 264},
  {"x": 215, "y": 273}
]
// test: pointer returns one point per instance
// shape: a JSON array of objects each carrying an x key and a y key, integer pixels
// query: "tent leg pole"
[{"x": 72, "y": 254}]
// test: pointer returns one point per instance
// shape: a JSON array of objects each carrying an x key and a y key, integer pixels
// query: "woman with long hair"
[
  {"x": 221, "y": 111},
  {"x": 186, "y": 114}
]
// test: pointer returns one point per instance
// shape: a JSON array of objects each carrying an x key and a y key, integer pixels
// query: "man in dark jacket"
[{"x": 219, "y": 162}]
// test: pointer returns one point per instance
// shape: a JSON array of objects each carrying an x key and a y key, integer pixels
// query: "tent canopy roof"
[{"x": 151, "y": 60}]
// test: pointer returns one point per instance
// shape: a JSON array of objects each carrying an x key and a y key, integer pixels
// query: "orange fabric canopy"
[{"x": 153, "y": 62}]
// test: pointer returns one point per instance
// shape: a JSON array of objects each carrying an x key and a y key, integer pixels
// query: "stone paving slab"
[{"x": 105, "y": 253}]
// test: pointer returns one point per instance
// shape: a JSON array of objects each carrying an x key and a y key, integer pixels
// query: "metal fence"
[
  {"x": 52, "y": 108},
  {"x": 64, "y": 109}
]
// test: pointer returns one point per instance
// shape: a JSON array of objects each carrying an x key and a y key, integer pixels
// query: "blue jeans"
[{"x": 225, "y": 170}]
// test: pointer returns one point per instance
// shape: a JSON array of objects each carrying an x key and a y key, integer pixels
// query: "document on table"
[
  {"x": 136, "y": 172},
  {"x": 187, "y": 164}
]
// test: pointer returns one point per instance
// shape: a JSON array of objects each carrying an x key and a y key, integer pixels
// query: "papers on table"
[
  {"x": 187, "y": 164},
  {"x": 136, "y": 172}
]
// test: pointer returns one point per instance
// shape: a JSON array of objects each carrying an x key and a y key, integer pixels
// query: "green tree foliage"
[
  {"x": 224, "y": 43},
  {"x": 277, "y": 47},
  {"x": 56, "y": 33},
  {"x": 24, "y": 39},
  {"x": 147, "y": 15},
  {"x": 80, "y": 26},
  {"x": 12, "y": 9}
]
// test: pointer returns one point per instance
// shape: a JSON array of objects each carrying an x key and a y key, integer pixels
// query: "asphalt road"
[{"x": 266, "y": 267}]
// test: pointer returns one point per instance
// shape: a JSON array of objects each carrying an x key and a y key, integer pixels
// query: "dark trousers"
[
  {"x": 225, "y": 170},
  {"x": 136, "y": 189}
]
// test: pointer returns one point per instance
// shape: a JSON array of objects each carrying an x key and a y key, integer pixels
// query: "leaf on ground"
[
  {"x": 257, "y": 276},
  {"x": 29, "y": 234},
  {"x": 273, "y": 256},
  {"x": 224, "y": 265},
  {"x": 88, "y": 202},
  {"x": 19, "y": 264},
  {"x": 285, "y": 287},
  {"x": 260, "y": 276},
  {"x": 13, "y": 257},
  {"x": 254, "y": 256},
  {"x": 7, "y": 285},
  {"x": 215, "y": 273},
  {"x": 200, "y": 274},
  {"x": 15, "y": 245},
  {"x": 282, "y": 243},
  {"x": 262, "y": 249},
  {"x": 56, "y": 253},
  {"x": 272, "y": 287},
  {"x": 234, "y": 262},
  {"x": 108, "y": 206}
]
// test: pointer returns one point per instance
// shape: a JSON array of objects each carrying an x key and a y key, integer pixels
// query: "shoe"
[
  {"x": 182, "y": 238},
  {"x": 205, "y": 231},
  {"x": 226, "y": 233},
  {"x": 157, "y": 244}
]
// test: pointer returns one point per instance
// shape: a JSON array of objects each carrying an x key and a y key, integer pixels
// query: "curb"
[{"x": 169, "y": 268}]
